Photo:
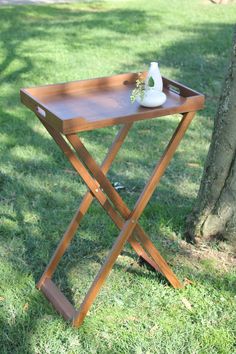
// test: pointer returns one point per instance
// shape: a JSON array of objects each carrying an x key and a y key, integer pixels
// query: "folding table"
[{"x": 69, "y": 108}]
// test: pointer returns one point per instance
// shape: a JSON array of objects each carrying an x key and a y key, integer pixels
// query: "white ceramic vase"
[{"x": 153, "y": 95}]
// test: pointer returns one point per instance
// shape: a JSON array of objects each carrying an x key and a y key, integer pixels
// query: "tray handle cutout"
[
  {"x": 174, "y": 89},
  {"x": 41, "y": 111}
]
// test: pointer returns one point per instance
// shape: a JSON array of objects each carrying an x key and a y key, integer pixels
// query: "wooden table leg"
[{"x": 131, "y": 217}]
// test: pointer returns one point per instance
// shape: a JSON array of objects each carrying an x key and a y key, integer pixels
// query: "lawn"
[{"x": 136, "y": 311}]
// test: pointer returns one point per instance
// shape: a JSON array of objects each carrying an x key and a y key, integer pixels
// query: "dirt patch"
[{"x": 221, "y": 253}]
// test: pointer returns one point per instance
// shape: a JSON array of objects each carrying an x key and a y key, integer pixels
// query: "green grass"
[{"x": 136, "y": 311}]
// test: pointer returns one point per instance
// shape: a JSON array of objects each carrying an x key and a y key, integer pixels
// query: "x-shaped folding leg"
[{"x": 127, "y": 221}]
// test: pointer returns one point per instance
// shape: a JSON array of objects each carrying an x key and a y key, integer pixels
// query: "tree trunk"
[{"x": 214, "y": 214}]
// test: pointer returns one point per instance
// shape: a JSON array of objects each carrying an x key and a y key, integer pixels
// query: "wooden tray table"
[{"x": 68, "y": 108}]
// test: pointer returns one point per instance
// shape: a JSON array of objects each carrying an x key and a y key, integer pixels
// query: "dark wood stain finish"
[
  {"x": 69, "y": 108},
  {"x": 97, "y": 103}
]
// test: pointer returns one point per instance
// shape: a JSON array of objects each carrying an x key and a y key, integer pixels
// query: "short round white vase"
[{"x": 151, "y": 98}]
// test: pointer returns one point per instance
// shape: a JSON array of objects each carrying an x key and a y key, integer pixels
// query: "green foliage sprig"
[{"x": 139, "y": 89}]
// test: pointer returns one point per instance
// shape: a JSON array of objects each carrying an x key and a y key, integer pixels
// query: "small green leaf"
[{"x": 151, "y": 82}]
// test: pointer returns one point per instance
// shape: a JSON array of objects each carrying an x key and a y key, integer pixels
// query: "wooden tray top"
[{"x": 97, "y": 103}]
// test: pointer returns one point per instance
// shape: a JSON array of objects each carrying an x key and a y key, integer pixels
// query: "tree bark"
[{"x": 214, "y": 214}]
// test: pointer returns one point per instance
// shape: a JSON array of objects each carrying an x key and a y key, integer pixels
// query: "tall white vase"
[
  {"x": 153, "y": 95},
  {"x": 155, "y": 74}
]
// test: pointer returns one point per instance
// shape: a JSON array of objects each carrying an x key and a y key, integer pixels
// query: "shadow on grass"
[
  {"x": 22, "y": 24},
  {"x": 38, "y": 239}
]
